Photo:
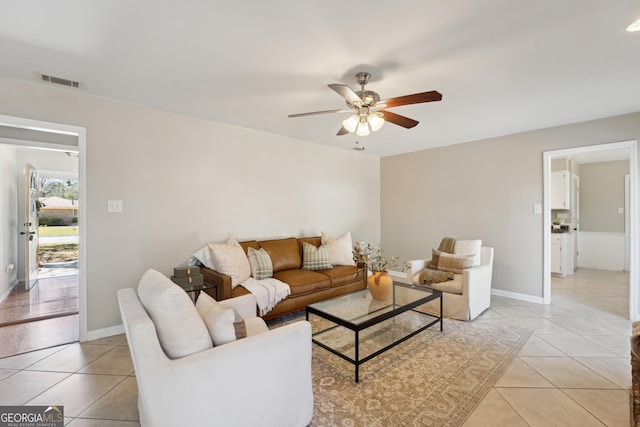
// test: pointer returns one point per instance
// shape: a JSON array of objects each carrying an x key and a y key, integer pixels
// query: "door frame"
[
  {"x": 81, "y": 134},
  {"x": 634, "y": 241}
]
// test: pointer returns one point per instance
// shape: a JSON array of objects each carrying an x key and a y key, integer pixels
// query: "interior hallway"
[{"x": 45, "y": 316}]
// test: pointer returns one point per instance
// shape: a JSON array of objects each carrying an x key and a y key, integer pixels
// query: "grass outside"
[
  {"x": 67, "y": 230},
  {"x": 49, "y": 253}
]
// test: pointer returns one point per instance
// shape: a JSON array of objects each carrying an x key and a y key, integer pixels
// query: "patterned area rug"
[{"x": 433, "y": 379}]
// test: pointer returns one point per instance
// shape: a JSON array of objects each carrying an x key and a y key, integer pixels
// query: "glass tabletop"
[{"x": 359, "y": 307}]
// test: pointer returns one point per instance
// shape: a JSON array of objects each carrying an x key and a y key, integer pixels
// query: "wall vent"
[{"x": 60, "y": 80}]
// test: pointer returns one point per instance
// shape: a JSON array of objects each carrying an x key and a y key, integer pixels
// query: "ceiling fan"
[{"x": 369, "y": 112}]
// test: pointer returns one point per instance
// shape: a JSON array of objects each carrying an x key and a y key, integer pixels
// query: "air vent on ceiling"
[{"x": 60, "y": 80}]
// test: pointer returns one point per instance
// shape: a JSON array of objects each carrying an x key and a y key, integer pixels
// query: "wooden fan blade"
[
  {"x": 348, "y": 94},
  {"x": 399, "y": 120},
  {"x": 313, "y": 113},
  {"x": 416, "y": 98},
  {"x": 342, "y": 131}
]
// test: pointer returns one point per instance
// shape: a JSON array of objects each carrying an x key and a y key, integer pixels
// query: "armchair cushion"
[
  {"x": 449, "y": 262},
  {"x": 453, "y": 286},
  {"x": 180, "y": 329},
  {"x": 469, "y": 247}
]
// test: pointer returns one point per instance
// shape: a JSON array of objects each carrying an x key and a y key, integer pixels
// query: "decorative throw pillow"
[
  {"x": 224, "y": 324},
  {"x": 469, "y": 247},
  {"x": 180, "y": 329},
  {"x": 449, "y": 262},
  {"x": 315, "y": 258},
  {"x": 260, "y": 262},
  {"x": 231, "y": 260},
  {"x": 340, "y": 249},
  {"x": 204, "y": 256}
]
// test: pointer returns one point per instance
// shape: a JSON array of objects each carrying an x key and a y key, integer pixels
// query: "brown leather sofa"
[{"x": 307, "y": 286}]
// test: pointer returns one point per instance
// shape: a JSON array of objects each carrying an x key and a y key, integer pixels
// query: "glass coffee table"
[{"x": 358, "y": 328}]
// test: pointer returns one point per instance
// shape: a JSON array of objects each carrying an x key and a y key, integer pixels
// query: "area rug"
[{"x": 433, "y": 379}]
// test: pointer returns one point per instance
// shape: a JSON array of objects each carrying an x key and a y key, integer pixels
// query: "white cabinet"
[
  {"x": 560, "y": 190},
  {"x": 559, "y": 254}
]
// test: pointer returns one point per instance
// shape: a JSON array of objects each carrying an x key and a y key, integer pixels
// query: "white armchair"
[
  {"x": 263, "y": 379},
  {"x": 468, "y": 294}
]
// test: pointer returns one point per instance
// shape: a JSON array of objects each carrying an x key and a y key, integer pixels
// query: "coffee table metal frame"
[{"x": 430, "y": 294}]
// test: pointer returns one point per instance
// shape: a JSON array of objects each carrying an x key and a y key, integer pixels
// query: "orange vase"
[{"x": 380, "y": 284}]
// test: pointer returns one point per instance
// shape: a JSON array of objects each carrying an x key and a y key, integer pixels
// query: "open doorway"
[
  {"x": 586, "y": 253},
  {"x": 58, "y": 223},
  {"x": 57, "y": 302}
]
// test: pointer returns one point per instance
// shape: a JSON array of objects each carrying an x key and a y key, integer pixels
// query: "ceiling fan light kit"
[{"x": 369, "y": 114}]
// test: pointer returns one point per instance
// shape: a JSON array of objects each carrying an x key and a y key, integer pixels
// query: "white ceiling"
[{"x": 502, "y": 66}]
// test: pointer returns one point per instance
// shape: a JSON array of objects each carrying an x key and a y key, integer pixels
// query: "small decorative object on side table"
[{"x": 190, "y": 279}]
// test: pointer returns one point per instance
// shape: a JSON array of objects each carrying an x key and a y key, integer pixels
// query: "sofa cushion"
[
  {"x": 284, "y": 253},
  {"x": 181, "y": 331},
  {"x": 340, "y": 249},
  {"x": 315, "y": 258},
  {"x": 249, "y": 244},
  {"x": 303, "y": 281},
  {"x": 261, "y": 266},
  {"x": 469, "y": 247},
  {"x": 450, "y": 262},
  {"x": 341, "y": 274},
  {"x": 224, "y": 324},
  {"x": 231, "y": 260}
]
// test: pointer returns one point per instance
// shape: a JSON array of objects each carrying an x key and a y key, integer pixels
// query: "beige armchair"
[
  {"x": 468, "y": 294},
  {"x": 264, "y": 379}
]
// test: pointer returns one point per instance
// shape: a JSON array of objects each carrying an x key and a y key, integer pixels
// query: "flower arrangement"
[{"x": 375, "y": 260}]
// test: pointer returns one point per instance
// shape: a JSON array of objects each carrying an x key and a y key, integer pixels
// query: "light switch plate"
[
  {"x": 114, "y": 206},
  {"x": 620, "y": 210},
  {"x": 537, "y": 209}
]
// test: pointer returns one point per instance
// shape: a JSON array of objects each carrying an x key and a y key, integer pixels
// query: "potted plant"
[{"x": 379, "y": 283}]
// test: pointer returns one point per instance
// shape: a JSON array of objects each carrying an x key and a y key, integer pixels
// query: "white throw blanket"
[{"x": 268, "y": 292}]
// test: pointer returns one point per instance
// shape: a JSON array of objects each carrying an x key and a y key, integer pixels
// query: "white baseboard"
[
  {"x": 105, "y": 332},
  {"x": 518, "y": 296},
  {"x": 8, "y": 291}
]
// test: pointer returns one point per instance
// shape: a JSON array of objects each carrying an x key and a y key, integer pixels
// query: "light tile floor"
[{"x": 575, "y": 370}]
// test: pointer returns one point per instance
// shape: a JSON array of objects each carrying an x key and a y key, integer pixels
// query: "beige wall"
[
  {"x": 186, "y": 181},
  {"x": 601, "y": 194},
  {"x": 484, "y": 189},
  {"x": 9, "y": 215}
]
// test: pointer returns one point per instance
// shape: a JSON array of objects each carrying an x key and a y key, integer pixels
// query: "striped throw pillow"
[
  {"x": 260, "y": 262},
  {"x": 315, "y": 258},
  {"x": 449, "y": 262}
]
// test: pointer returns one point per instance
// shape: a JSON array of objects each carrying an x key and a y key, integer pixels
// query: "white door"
[
  {"x": 575, "y": 219},
  {"x": 32, "y": 191}
]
